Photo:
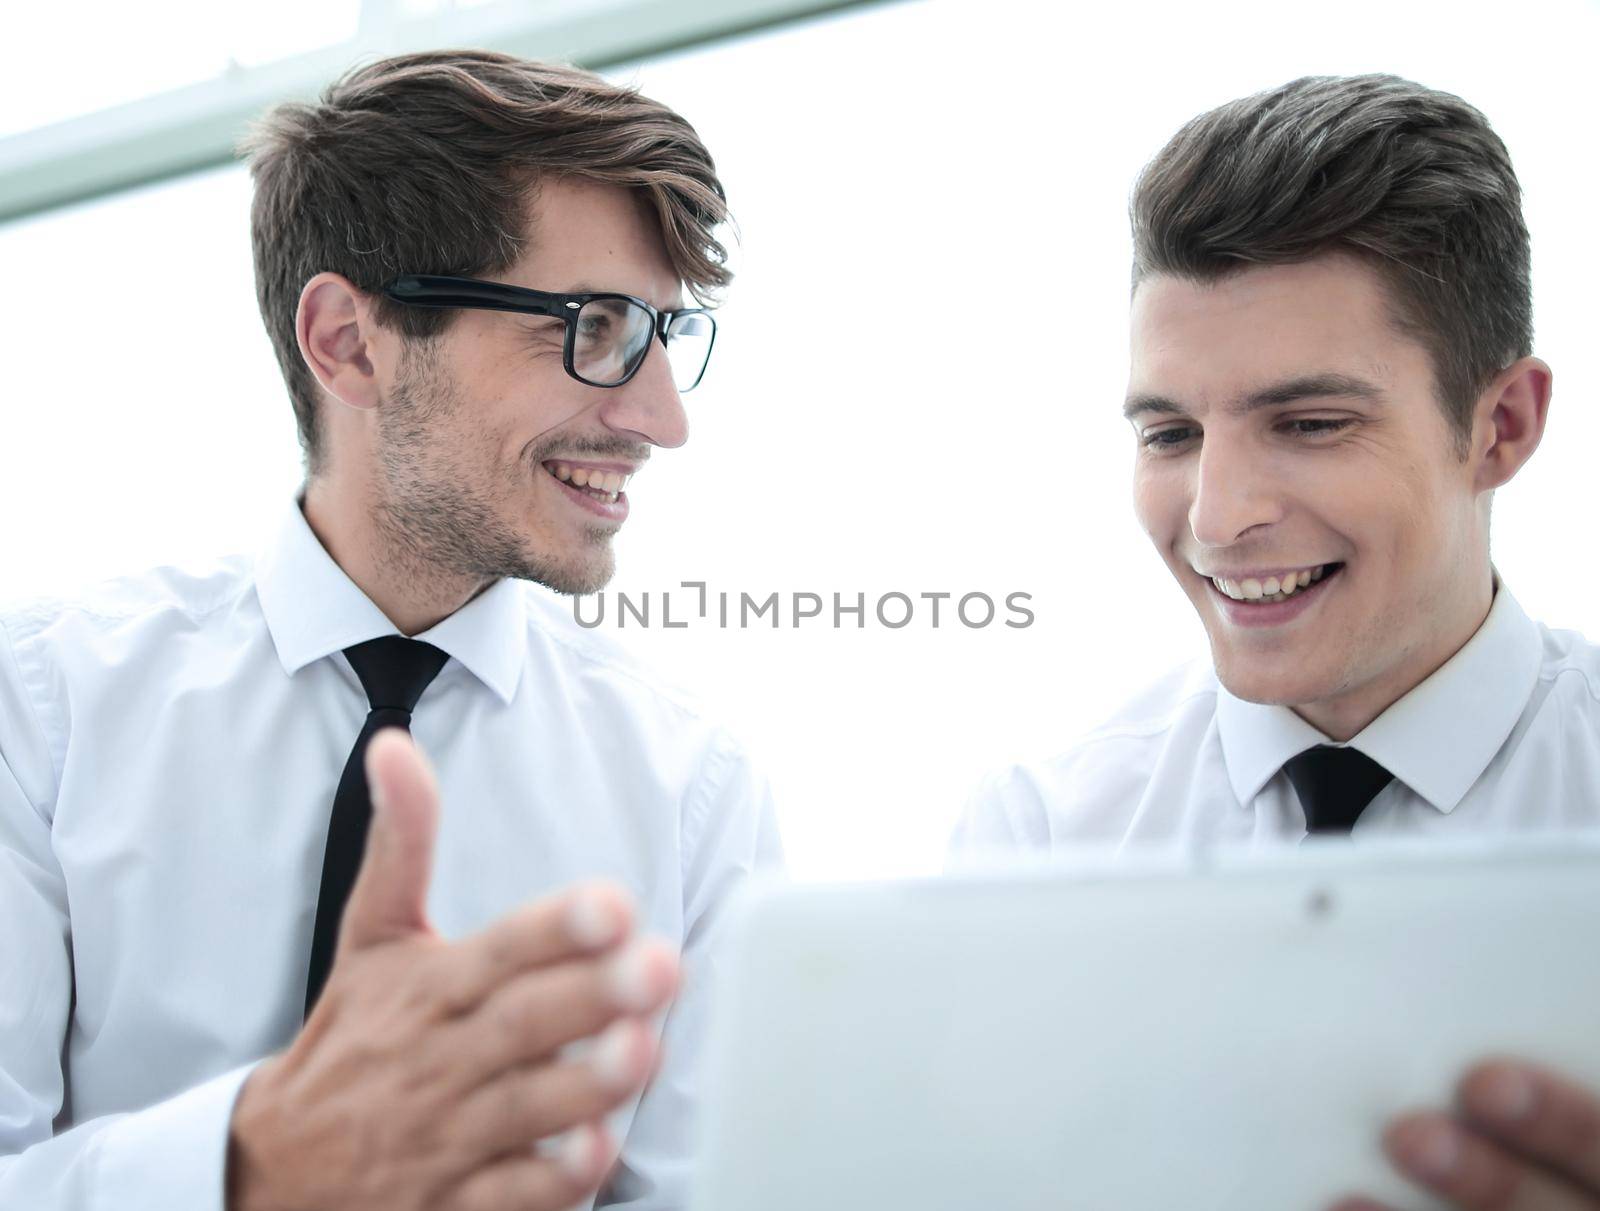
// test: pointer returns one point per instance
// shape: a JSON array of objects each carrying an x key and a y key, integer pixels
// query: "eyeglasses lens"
[
  {"x": 689, "y": 338},
  {"x": 613, "y": 336}
]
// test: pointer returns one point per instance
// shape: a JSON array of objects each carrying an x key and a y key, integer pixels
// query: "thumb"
[{"x": 389, "y": 898}]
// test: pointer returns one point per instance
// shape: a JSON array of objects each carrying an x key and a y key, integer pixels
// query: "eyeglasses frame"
[{"x": 439, "y": 292}]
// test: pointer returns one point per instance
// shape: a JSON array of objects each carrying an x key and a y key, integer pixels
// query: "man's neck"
[
  {"x": 412, "y": 595},
  {"x": 1343, "y": 717}
]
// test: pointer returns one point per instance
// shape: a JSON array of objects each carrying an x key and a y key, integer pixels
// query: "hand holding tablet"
[{"x": 1521, "y": 1138}]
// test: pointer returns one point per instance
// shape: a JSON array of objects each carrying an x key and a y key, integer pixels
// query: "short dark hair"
[
  {"x": 426, "y": 163},
  {"x": 1408, "y": 178}
]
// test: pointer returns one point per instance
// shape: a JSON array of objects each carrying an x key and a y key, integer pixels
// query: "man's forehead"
[
  {"x": 585, "y": 237},
  {"x": 664, "y": 294},
  {"x": 1333, "y": 293},
  {"x": 1222, "y": 342}
]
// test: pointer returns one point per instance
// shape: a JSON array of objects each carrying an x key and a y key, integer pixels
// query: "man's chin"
[
  {"x": 574, "y": 574},
  {"x": 579, "y": 582},
  {"x": 1271, "y": 682}
]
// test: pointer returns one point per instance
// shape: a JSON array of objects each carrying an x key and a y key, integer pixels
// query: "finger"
[
  {"x": 1536, "y": 1113},
  {"x": 1473, "y": 1172},
  {"x": 1360, "y": 1204},
  {"x": 569, "y": 1174},
  {"x": 589, "y": 918},
  {"x": 389, "y": 898},
  {"x": 532, "y": 1017},
  {"x": 531, "y": 1102}
]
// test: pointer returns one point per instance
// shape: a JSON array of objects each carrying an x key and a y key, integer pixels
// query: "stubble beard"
[{"x": 437, "y": 520}]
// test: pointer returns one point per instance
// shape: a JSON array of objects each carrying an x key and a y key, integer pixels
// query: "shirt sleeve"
[
  {"x": 730, "y": 831},
  {"x": 168, "y": 1156}
]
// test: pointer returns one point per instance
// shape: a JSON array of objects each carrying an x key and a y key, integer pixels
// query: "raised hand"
[{"x": 434, "y": 1074}]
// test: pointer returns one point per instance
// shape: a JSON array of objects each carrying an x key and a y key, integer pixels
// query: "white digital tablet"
[{"x": 1230, "y": 1033}]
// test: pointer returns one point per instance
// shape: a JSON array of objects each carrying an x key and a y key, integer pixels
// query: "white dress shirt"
[
  {"x": 1504, "y": 736},
  {"x": 169, "y": 749}
]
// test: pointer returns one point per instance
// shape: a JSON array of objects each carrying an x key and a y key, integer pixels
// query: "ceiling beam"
[{"x": 167, "y": 134}]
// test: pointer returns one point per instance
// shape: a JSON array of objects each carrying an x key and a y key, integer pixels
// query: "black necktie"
[
  {"x": 394, "y": 671},
  {"x": 1335, "y": 785}
]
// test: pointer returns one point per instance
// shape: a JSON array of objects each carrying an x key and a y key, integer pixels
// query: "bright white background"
[{"x": 916, "y": 185}]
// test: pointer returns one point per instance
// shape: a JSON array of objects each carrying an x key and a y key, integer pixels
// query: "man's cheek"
[
  {"x": 1147, "y": 508},
  {"x": 1167, "y": 527}
]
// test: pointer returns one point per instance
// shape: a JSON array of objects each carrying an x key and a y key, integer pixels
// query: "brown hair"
[
  {"x": 1411, "y": 179},
  {"x": 424, "y": 163}
]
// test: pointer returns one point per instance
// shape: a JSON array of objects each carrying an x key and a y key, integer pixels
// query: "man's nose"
[
  {"x": 649, "y": 405},
  {"x": 1233, "y": 493}
]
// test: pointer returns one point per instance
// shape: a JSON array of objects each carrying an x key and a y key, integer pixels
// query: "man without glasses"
[
  {"x": 1331, "y": 374},
  {"x": 472, "y": 271}
]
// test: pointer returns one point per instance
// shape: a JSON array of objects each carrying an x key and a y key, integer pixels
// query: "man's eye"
[
  {"x": 1310, "y": 426},
  {"x": 1165, "y": 437}
]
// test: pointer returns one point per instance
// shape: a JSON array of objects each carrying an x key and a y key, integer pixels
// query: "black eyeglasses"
[{"x": 608, "y": 335}]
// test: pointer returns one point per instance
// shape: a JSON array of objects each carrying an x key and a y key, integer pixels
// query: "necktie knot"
[
  {"x": 395, "y": 670},
  {"x": 1335, "y": 784}
]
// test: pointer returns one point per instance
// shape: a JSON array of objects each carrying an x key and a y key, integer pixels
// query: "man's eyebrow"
[
  {"x": 1311, "y": 386},
  {"x": 585, "y": 288},
  {"x": 1148, "y": 403},
  {"x": 1307, "y": 386}
]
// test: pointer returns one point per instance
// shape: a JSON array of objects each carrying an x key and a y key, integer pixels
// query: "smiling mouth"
[
  {"x": 605, "y": 486},
  {"x": 1251, "y": 591}
]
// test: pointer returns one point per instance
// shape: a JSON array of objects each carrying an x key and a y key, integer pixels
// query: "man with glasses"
[{"x": 218, "y": 843}]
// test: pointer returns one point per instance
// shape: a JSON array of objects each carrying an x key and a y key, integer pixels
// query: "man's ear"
[
  {"x": 1509, "y": 421},
  {"x": 340, "y": 340}
]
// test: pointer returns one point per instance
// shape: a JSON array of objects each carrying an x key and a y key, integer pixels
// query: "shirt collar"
[
  {"x": 313, "y": 609},
  {"x": 1437, "y": 739}
]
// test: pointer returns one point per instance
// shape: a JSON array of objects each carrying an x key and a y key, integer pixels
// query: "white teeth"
[
  {"x": 607, "y": 485},
  {"x": 1272, "y": 589}
]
